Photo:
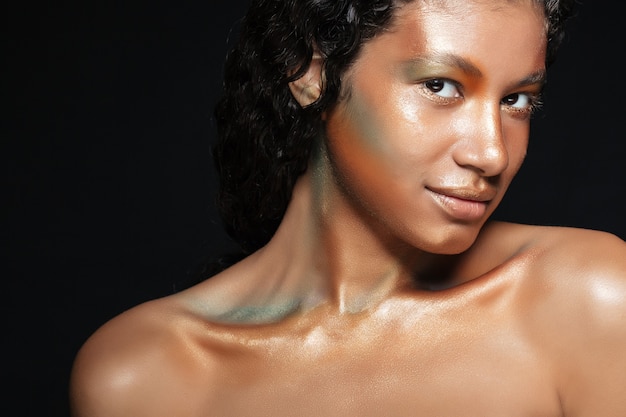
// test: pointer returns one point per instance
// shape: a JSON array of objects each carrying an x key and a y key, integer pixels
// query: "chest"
[{"x": 435, "y": 368}]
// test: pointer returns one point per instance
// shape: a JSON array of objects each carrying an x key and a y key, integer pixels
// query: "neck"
[{"x": 331, "y": 253}]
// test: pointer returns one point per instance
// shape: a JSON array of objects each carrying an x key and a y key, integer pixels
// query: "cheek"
[
  {"x": 358, "y": 150},
  {"x": 367, "y": 125},
  {"x": 393, "y": 129},
  {"x": 387, "y": 134},
  {"x": 367, "y": 157},
  {"x": 359, "y": 136}
]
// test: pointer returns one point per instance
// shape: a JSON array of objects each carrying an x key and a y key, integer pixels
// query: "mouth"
[{"x": 462, "y": 203}]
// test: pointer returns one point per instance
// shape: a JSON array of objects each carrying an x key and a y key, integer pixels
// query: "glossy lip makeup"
[{"x": 461, "y": 205}]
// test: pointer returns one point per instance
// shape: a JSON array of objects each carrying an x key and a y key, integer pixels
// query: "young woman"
[{"x": 363, "y": 147}]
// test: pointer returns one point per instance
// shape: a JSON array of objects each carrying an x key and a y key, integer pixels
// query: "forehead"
[
  {"x": 503, "y": 40},
  {"x": 456, "y": 6},
  {"x": 468, "y": 25}
]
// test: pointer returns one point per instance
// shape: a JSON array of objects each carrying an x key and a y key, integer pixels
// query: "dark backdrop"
[{"x": 108, "y": 183}]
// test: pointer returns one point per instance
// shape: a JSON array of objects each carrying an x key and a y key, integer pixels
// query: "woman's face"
[{"x": 433, "y": 121}]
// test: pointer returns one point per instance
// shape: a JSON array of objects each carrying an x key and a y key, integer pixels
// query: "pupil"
[{"x": 436, "y": 85}]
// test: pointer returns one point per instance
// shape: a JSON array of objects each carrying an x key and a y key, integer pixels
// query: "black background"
[{"x": 107, "y": 175}]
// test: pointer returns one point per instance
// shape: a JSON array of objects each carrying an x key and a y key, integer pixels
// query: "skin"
[{"x": 385, "y": 290}]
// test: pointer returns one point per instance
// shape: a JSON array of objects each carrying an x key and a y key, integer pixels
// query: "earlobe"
[{"x": 307, "y": 89}]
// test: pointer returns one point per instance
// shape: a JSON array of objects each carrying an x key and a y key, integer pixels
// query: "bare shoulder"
[
  {"x": 585, "y": 269},
  {"x": 167, "y": 357},
  {"x": 144, "y": 362},
  {"x": 576, "y": 309},
  {"x": 591, "y": 263},
  {"x": 578, "y": 255},
  {"x": 588, "y": 270}
]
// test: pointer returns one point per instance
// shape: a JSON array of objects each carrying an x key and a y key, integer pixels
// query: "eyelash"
[{"x": 428, "y": 87}]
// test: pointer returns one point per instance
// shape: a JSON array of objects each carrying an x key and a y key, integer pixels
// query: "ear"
[{"x": 308, "y": 88}]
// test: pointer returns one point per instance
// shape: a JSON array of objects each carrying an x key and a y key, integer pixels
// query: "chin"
[{"x": 451, "y": 240}]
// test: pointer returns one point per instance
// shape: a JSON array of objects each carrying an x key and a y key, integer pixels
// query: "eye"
[
  {"x": 518, "y": 101},
  {"x": 522, "y": 103},
  {"x": 442, "y": 88}
]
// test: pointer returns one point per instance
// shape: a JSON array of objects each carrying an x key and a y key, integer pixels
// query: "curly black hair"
[{"x": 264, "y": 135}]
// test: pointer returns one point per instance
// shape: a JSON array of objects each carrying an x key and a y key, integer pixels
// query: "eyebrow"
[
  {"x": 449, "y": 60},
  {"x": 537, "y": 77}
]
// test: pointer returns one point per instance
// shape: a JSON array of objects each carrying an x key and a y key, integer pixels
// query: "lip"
[{"x": 462, "y": 203}]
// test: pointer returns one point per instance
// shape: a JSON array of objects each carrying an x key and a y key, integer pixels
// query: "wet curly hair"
[{"x": 264, "y": 135}]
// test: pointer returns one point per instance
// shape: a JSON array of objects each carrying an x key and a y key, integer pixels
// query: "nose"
[{"x": 481, "y": 145}]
